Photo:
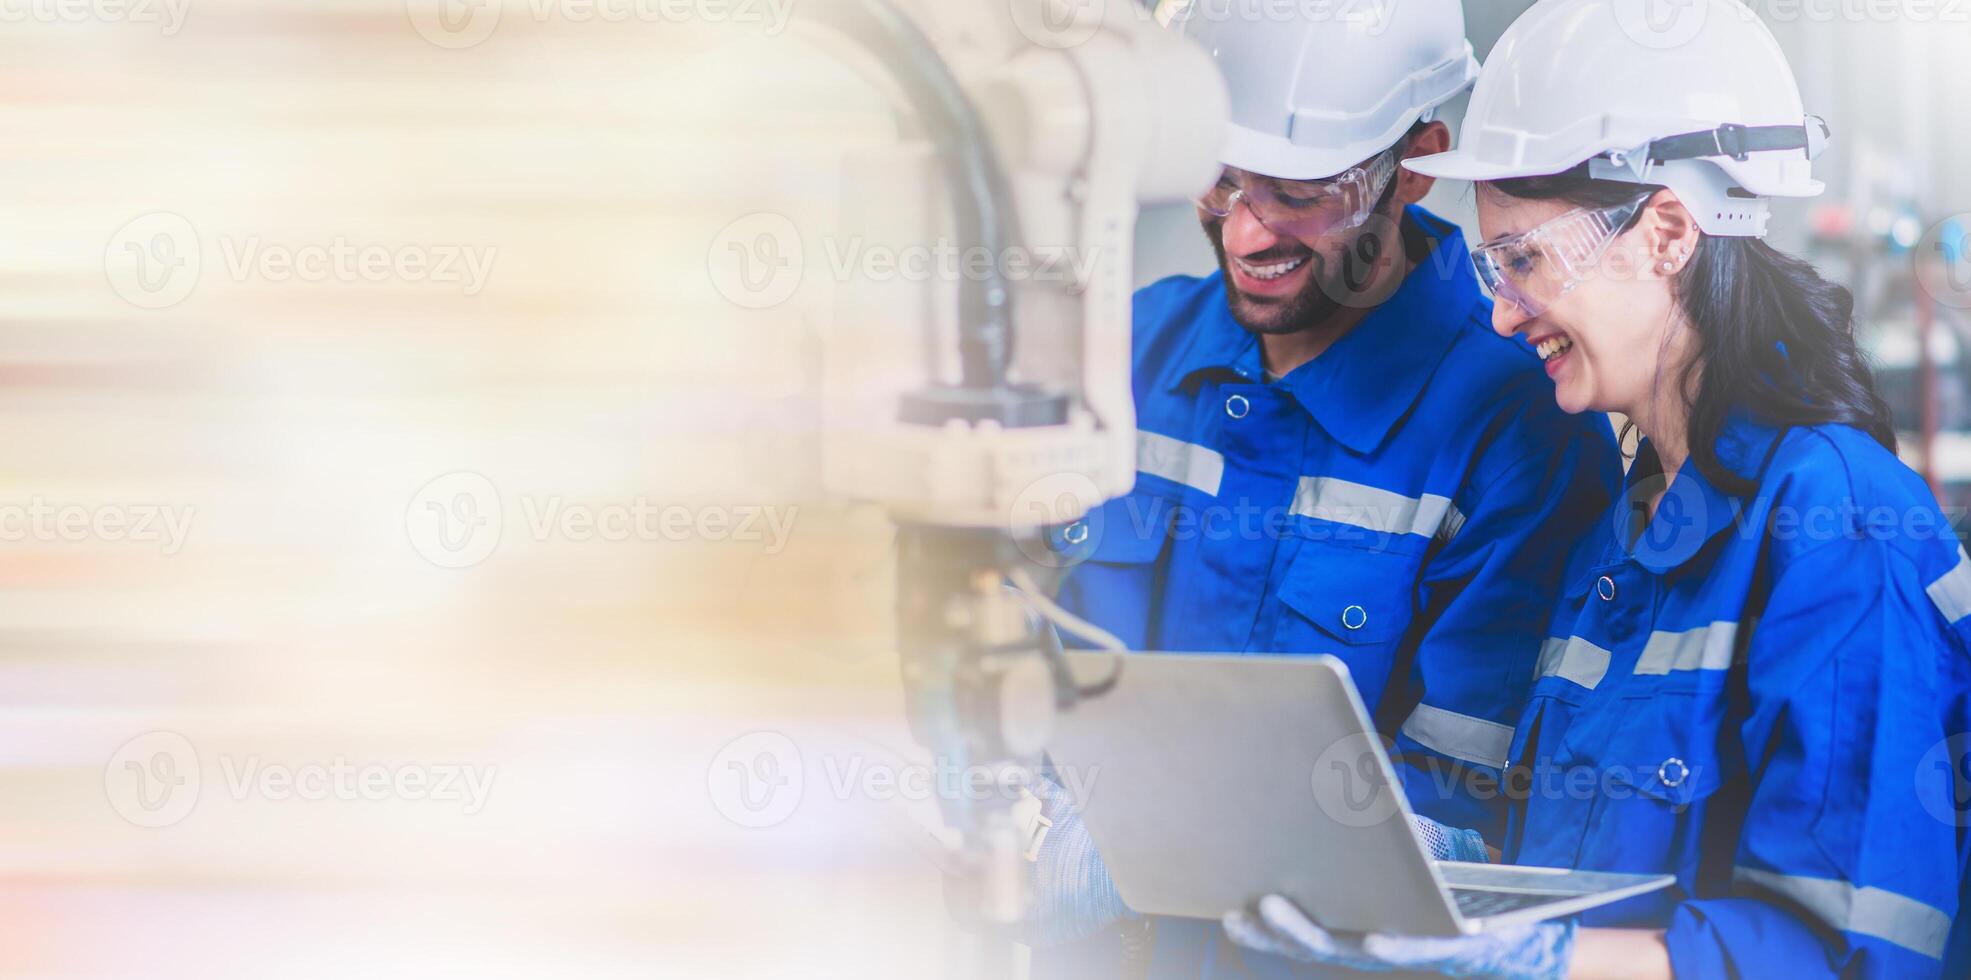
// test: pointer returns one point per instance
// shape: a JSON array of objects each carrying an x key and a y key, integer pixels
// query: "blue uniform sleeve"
[
  {"x": 1486, "y": 599},
  {"x": 1840, "y": 868}
]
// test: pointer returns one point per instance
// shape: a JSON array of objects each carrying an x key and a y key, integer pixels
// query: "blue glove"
[
  {"x": 1073, "y": 896},
  {"x": 1277, "y": 926},
  {"x": 1446, "y": 844}
]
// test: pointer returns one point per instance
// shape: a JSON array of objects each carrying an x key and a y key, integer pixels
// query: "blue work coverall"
[
  {"x": 1405, "y": 502},
  {"x": 1765, "y": 696}
]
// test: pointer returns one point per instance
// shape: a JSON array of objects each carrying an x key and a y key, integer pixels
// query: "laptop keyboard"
[{"x": 1475, "y": 903}]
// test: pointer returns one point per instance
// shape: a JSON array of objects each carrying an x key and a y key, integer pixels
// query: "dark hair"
[{"x": 1775, "y": 338}]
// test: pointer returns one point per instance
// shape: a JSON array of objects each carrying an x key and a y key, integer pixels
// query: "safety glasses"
[
  {"x": 1304, "y": 209},
  {"x": 1535, "y": 268}
]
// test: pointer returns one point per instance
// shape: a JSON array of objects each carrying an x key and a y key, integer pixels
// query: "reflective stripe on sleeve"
[
  {"x": 1187, "y": 463},
  {"x": 1887, "y": 916},
  {"x": 1326, "y": 498},
  {"x": 1705, "y": 648},
  {"x": 1575, "y": 659},
  {"x": 1463, "y": 737},
  {"x": 1952, "y": 592}
]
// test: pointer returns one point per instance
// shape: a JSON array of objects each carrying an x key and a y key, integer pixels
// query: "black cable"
[{"x": 980, "y": 194}]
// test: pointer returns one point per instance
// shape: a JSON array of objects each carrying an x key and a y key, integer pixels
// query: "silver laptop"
[{"x": 1209, "y": 781}]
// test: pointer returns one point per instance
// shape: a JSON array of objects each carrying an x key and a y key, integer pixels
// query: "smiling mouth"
[
  {"x": 1553, "y": 347},
  {"x": 1273, "y": 270}
]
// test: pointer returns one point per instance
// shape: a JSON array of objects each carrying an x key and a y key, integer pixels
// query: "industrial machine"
[{"x": 987, "y": 399}]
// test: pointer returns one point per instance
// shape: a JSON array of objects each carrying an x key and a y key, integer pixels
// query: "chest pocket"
[
  {"x": 1352, "y": 595},
  {"x": 1113, "y": 554},
  {"x": 1657, "y": 765}
]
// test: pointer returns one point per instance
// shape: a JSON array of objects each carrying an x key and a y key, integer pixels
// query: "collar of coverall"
[
  {"x": 1693, "y": 510},
  {"x": 1362, "y": 386}
]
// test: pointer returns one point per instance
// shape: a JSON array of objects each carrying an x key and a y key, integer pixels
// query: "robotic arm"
[{"x": 982, "y": 407}]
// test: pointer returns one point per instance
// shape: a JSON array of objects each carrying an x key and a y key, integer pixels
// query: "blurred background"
[{"x": 417, "y": 557}]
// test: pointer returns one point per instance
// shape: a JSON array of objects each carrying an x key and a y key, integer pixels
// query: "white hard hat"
[
  {"x": 1700, "y": 101},
  {"x": 1319, "y": 86}
]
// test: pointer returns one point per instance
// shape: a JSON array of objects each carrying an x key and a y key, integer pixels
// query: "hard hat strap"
[{"x": 1729, "y": 140}]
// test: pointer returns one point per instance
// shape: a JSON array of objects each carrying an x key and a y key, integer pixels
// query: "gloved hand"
[
  {"x": 1073, "y": 896},
  {"x": 1446, "y": 844},
  {"x": 1277, "y": 926}
]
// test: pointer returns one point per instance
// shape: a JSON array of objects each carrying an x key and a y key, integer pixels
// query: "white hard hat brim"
[
  {"x": 1276, "y": 156},
  {"x": 1460, "y": 165}
]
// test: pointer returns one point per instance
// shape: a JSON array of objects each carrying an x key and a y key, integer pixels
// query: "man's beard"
[
  {"x": 1319, "y": 300},
  {"x": 1309, "y": 308}
]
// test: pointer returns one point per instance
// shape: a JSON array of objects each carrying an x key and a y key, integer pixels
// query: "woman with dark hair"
[{"x": 1757, "y": 676}]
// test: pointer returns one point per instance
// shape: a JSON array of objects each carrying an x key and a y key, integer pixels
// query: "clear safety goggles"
[
  {"x": 1304, "y": 209},
  {"x": 1535, "y": 268}
]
